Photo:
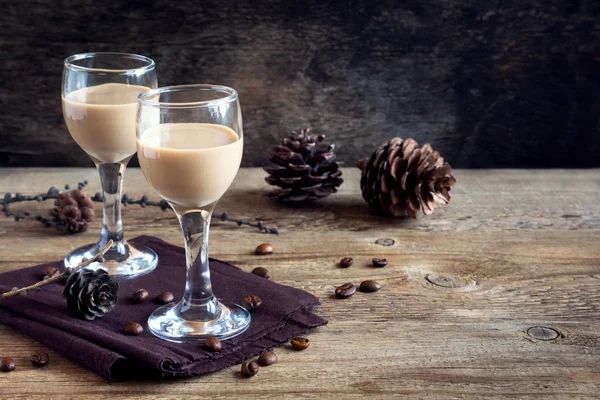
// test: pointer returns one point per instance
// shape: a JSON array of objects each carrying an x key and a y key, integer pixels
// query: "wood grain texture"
[
  {"x": 470, "y": 300},
  {"x": 489, "y": 84}
]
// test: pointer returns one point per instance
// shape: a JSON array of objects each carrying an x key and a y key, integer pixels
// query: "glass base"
[
  {"x": 122, "y": 261},
  {"x": 169, "y": 324}
]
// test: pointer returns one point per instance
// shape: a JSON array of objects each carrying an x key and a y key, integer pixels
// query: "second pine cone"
[{"x": 403, "y": 179}]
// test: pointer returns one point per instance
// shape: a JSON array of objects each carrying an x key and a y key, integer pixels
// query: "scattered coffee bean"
[
  {"x": 300, "y": 343},
  {"x": 346, "y": 262},
  {"x": 262, "y": 272},
  {"x": 140, "y": 296},
  {"x": 213, "y": 344},
  {"x": 7, "y": 364},
  {"x": 369, "y": 286},
  {"x": 379, "y": 262},
  {"x": 345, "y": 290},
  {"x": 165, "y": 297},
  {"x": 267, "y": 358},
  {"x": 251, "y": 302},
  {"x": 264, "y": 249},
  {"x": 39, "y": 358},
  {"x": 250, "y": 368},
  {"x": 133, "y": 329}
]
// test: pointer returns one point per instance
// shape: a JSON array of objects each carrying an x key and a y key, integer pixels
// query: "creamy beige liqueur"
[
  {"x": 102, "y": 120},
  {"x": 190, "y": 164}
]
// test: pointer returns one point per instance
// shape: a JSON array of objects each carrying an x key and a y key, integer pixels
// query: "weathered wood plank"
[
  {"x": 489, "y": 84},
  {"x": 536, "y": 266}
]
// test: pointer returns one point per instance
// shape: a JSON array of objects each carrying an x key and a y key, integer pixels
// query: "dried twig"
[
  {"x": 58, "y": 277},
  {"x": 53, "y": 193},
  {"x": 224, "y": 216},
  {"x": 144, "y": 201}
]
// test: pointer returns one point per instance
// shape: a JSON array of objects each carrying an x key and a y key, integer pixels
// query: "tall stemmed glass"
[
  {"x": 99, "y": 98},
  {"x": 190, "y": 143}
]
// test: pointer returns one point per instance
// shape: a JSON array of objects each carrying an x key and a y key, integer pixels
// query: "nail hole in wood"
[
  {"x": 385, "y": 242},
  {"x": 543, "y": 333},
  {"x": 446, "y": 281}
]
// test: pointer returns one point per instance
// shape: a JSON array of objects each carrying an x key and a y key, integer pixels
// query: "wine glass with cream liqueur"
[
  {"x": 190, "y": 143},
  {"x": 99, "y": 100}
]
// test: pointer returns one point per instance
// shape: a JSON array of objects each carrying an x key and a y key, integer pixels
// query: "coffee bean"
[
  {"x": 369, "y": 286},
  {"x": 213, "y": 344},
  {"x": 345, "y": 290},
  {"x": 140, "y": 296},
  {"x": 300, "y": 343},
  {"x": 251, "y": 302},
  {"x": 133, "y": 329},
  {"x": 7, "y": 364},
  {"x": 346, "y": 262},
  {"x": 39, "y": 358},
  {"x": 267, "y": 358},
  {"x": 379, "y": 262},
  {"x": 250, "y": 368},
  {"x": 262, "y": 272},
  {"x": 264, "y": 249},
  {"x": 165, "y": 297}
]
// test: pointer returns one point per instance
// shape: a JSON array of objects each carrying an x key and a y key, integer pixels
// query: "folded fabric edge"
[
  {"x": 302, "y": 315},
  {"x": 57, "y": 340},
  {"x": 117, "y": 367},
  {"x": 174, "y": 364},
  {"x": 113, "y": 365},
  {"x": 297, "y": 322}
]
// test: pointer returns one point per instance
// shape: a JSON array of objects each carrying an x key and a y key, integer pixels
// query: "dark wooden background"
[{"x": 508, "y": 83}]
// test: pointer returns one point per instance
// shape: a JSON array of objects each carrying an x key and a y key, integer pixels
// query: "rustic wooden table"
[{"x": 496, "y": 295}]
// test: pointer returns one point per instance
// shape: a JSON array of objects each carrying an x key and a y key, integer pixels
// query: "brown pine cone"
[
  {"x": 402, "y": 179},
  {"x": 306, "y": 168},
  {"x": 73, "y": 210}
]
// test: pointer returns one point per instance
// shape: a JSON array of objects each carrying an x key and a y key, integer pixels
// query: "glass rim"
[
  {"x": 68, "y": 63},
  {"x": 230, "y": 96}
]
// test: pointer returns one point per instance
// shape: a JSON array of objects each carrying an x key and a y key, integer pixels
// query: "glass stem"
[
  {"x": 111, "y": 177},
  {"x": 198, "y": 303}
]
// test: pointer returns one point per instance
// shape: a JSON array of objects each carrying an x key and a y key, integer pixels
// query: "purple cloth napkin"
[{"x": 101, "y": 346}]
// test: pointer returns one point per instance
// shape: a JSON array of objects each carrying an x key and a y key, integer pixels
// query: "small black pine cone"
[
  {"x": 306, "y": 168},
  {"x": 73, "y": 211},
  {"x": 91, "y": 294}
]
